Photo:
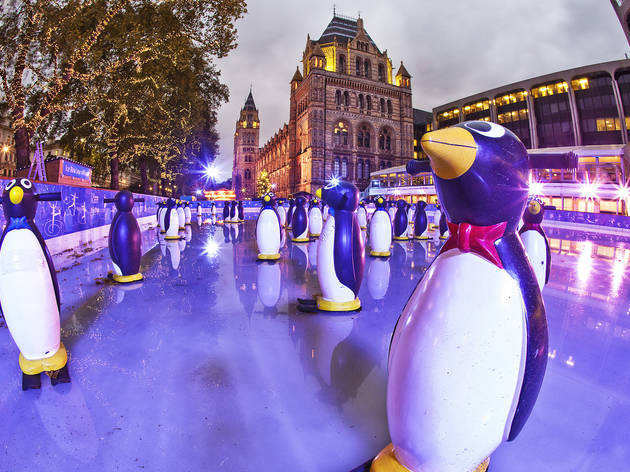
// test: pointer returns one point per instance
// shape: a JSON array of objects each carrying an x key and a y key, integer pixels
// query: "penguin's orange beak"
[
  {"x": 452, "y": 151},
  {"x": 15, "y": 195}
]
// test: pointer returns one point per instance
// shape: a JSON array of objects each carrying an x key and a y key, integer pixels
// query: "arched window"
[
  {"x": 368, "y": 99},
  {"x": 361, "y": 100},
  {"x": 385, "y": 140},
  {"x": 381, "y": 73},
  {"x": 367, "y": 66},
  {"x": 359, "y": 169},
  {"x": 342, "y": 64},
  {"x": 389, "y": 107},
  {"x": 336, "y": 167},
  {"x": 383, "y": 165},
  {"x": 382, "y": 108},
  {"x": 344, "y": 167},
  {"x": 340, "y": 134},
  {"x": 358, "y": 66},
  {"x": 346, "y": 98},
  {"x": 366, "y": 169},
  {"x": 363, "y": 137},
  {"x": 248, "y": 174},
  {"x": 338, "y": 97}
]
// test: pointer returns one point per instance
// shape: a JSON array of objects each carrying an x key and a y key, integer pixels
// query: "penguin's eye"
[
  {"x": 11, "y": 184},
  {"x": 486, "y": 128},
  {"x": 26, "y": 183}
]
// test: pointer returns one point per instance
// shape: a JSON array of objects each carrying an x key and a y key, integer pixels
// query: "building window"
[
  {"x": 340, "y": 135},
  {"x": 342, "y": 64},
  {"x": 382, "y": 105},
  {"x": 367, "y": 66},
  {"x": 368, "y": 99},
  {"x": 553, "y": 115},
  {"x": 390, "y": 109},
  {"x": 366, "y": 169},
  {"x": 385, "y": 140},
  {"x": 346, "y": 98},
  {"x": 336, "y": 167},
  {"x": 381, "y": 73},
  {"x": 248, "y": 174},
  {"x": 360, "y": 169},
  {"x": 338, "y": 97},
  {"x": 358, "y": 66},
  {"x": 598, "y": 117},
  {"x": 344, "y": 167},
  {"x": 361, "y": 104},
  {"x": 363, "y": 137}
]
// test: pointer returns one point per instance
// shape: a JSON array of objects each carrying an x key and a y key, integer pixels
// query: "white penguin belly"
[
  {"x": 456, "y": 365},
  {"x": 282, "y": 215},
  {"x": 362, "y": 217},
  {"x": 182, "y": 217},
  {"x": 27, "y": 295},
  {"x": 268, "y": 233},
  {"x": 173, "y": 224},
  {"x": 315, "y": 221},
  {"x": 536, "y": 249},
  {"x": 380, "y": 232},
  {"x": 332, "y": 288}
]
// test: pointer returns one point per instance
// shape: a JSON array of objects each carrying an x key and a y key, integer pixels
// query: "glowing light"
[
  {"x": 211, "y": 248},
  {"x": 5, "y": 148},
  {"x": 211, "y": 172},
  {"x": 273, "y": 186},
  {"x": 552, "y": 354},
  {"x": 623, "y": 192},
  {"x": 585, "y": 262},
  {"x": 333, "y": 182},
  {"x": 589, "y": 190},
  {"x": 198, "y": 192},
  {"x": 570, "y": 361},
  {"x": 535, "y": 188}
]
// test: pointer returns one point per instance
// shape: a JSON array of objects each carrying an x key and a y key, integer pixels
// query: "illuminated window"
[
  {"x": 340, "y": 135},
  {"x": 579, "y": 84},
  {"x": 550, "y": 89}
]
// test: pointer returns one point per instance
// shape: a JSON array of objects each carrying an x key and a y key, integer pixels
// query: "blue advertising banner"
[
  {"x": 78, "y": 171},
  {"x": 598, "y": 219},
  {"x": 79, "y": 209}
]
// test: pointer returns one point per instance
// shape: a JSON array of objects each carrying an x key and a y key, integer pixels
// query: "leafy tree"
[{"x": 263, "y": 184}]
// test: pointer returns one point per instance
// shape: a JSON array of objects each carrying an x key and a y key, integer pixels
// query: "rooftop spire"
[{"x": 249, "y": 103}]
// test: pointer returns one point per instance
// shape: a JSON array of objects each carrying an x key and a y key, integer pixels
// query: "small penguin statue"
[
  {"x": 187, "y": 214},
  {"x": 125, "y": 239},
  {"x": 233, "y": 212},
  {"x": 315, "y": 222},
  {"x": 241, "y": 212},
  {"x": 444, "y": 234},
  {"x": 29, "y": 292},
  {"x": 299, "y": 222},
  {"x": 213, "y": 209},
  {"x": 282, "y": 212},
  {"x": 421, "y": 223},
  {"x": 380, "y": 230},
  {"x": 226, "y": 212},
  {"x": 181, "y": 214},
  {"x": 268, "y": 231},
  {"x": 341, "y": 253},
  {"x": 464, "y": 373},
  {"x": 535, "y": 241},
  {"x": 392, "y": 211},
  {"x": 362, "y": 215},
  {"x": 400, "y": 221},
  {"x": 171, "y": 220},
  {"x": 290, "y": 213}
]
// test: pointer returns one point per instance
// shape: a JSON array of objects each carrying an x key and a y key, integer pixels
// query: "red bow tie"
[
  {"x": 478, "y": 239},
  {"x": 530, "y": 226}
]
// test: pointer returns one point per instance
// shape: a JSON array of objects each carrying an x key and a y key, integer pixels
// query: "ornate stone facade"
[
  {"x": 348, "y": 115},
  {"x": 246, "y": 138}
]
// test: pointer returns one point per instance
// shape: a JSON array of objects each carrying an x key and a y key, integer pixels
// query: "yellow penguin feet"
[
  {"x": 386, "y": 462},
  {"x": 56, "y": 366}
]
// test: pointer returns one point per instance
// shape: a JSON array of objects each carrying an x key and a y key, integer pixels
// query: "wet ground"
[{"x": 207, "y": 365}]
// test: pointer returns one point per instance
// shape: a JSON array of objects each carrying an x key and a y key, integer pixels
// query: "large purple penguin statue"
[
  {"x": 125, "y": 239},
  {"x": 464, "y": 374},
  {"x": 29, "y": 292}
]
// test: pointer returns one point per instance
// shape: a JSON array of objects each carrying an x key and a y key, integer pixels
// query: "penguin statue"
[
  {"x": 380, "y": 230},
  {"x": 268, "y": 231},
  {"x": 324, "y": 211},
  {"x": 299, "y": 222},
  {"x": 400, "y": 221},
  {"x": 290, "y": 213},
  {"x": 392, "y": 211},
  {"x": 213, "y": 209},
  {"x": 171, "y": 220},
  {"x": 464, "y": 373},
  {"x": 199, "y": 210},
  {"x": 437, "y": 216},
  {"x": 362, "y": 215},
  {"x": 282, "y": 212},
  {"x": 199, "y": 216},
  {"x": 157, "y": 215},
  {"x": 410, "y": 212},
  {"x": 29, "y": 292},
  {"x": 187, "y": 214},
  {"x": 315, "y": 222},
  {"x": 443, "y": 228},
  {"x": 226, "y": 212},
  {"x": 181, "y": 214},
  {"x": 535, "y": 241},
  {"x": 125, "y": 239},
  {"x": 341, "y": 254},
  {"x": 233, "y": 212},
  {"x": 241, "y": 212},
  {"x": 421, "y": 223}
]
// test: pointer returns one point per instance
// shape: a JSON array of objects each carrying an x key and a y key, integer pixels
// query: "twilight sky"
[{"x": 451, "y": 48}]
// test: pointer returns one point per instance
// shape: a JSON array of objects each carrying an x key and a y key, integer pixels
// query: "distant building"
[
  {"x": 622, "y": 8},
  {"x": 7, "y": 150},
  {"x": 246, "y": 150},
  {"x": 349, "y": 115}
]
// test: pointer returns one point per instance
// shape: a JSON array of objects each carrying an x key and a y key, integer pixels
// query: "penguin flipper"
[
  {"x": 49, "y": 261},
  {"x": 513, "y": 255}
]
